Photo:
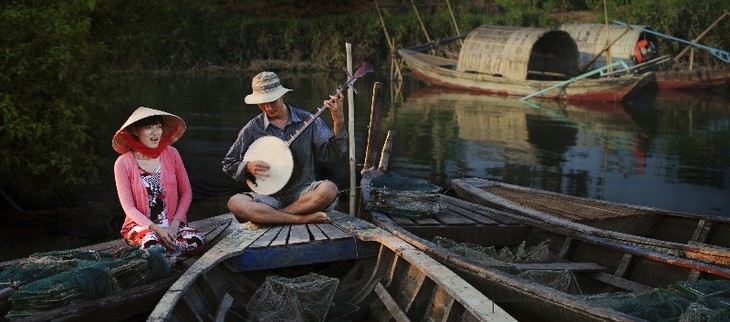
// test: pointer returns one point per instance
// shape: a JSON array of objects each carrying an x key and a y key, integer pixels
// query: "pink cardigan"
[{"x": 133, "y": 194}]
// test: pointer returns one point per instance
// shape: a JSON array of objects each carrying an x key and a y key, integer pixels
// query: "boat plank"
[
  {"x": 317, "y": 233},
  {"x": 332, "y": 231},
  {"x": 404, "y": 221},
  {"x": 576, "y": 267},
  {"x": 454, "y": 219},
  {"x": 427, "y": 222},
  {"x": 282, "y": 238},
  {"x": 478, "y": 212},
  {"x": 268, "y": 236},
  {"x": 298, "y": 234},
  {"x": 621, "y": 282}
]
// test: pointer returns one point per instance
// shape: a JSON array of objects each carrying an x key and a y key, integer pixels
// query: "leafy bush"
[{"x": 49, "y": 89}]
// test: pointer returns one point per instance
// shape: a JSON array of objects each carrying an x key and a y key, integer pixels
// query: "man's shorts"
[{"x": 279, "y": 204}]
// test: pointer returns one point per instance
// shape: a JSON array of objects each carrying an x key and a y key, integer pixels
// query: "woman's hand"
[{"x": 166, "y": 236}]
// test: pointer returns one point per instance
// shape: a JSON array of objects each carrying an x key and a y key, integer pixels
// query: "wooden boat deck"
[
  {"x": 560, "y": 206},
  {"x": 463, "y": 221},
  {"x": 288, "y": 245}
]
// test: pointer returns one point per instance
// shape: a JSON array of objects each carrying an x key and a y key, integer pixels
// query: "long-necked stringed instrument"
[{"x": 276, "y": 152}]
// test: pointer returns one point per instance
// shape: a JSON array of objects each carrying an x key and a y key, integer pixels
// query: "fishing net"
[
  {"x": 55, "y": 279},
  {"x": 504, "y": 258},
  {"x": 304, "y": 298},
  {"x": 704, "y": 300},
  {"x": 491, "y": 256},
  {"x": 402, "y": 196}
]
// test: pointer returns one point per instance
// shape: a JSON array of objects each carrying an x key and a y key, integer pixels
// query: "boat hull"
[
  {"x": 439, "y": 71},
  {"x": 388, "y": 278},
  {"x": 139, "y": 300},
  {"x": 702, "y": 238},
  {"x": 600, "y": 265}
]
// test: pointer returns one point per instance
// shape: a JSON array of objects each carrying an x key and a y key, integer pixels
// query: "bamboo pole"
[
  {"x": 351, "y": 131},
  {"x": 368, "y": 170},
  {"x": 453, "y": 19},
  {"x": 605, "y": 48},
  {"x": 702, "y": 35},
  {"x": 423, "y": 26},
  {"x": 609, "y": 61}
]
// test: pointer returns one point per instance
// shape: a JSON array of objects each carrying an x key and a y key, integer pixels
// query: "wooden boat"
[
  {"x": 697, "y": 79},
  {"x": 521, "y": 62},
  {"x": 379, "y": 276},
  {"x": 595, "y": 266},
  {"x": 592, "y": 40},
  {"x": 132, "y": 302},
  {"x": 703, "y": 238}
]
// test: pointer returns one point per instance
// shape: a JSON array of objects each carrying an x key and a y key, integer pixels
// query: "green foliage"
[{"x": 48, "y": 91}]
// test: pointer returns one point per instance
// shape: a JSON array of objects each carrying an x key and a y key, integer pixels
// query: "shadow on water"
[{"x": 669, "y": 150}]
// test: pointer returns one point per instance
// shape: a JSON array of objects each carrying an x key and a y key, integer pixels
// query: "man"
[{"x": 302, "y": 199}]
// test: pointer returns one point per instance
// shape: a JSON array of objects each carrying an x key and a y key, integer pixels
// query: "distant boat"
[
  {"x": 377, "y": 277},
  {"x": 626, "y": 45},
  {"x": 692, "y": 236},
  {"x": 521, "y": 62}
]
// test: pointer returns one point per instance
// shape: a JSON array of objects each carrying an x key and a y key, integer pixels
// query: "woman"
[{"x": 152, "y": 183}]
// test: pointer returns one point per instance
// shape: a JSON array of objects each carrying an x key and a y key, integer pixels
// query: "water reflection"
[{"x": 667, "y": 150}]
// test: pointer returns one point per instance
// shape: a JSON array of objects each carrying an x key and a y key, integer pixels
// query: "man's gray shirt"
[{"x": 317, "y": 141}]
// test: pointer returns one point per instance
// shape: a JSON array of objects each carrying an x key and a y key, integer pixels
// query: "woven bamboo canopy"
[
  {"x": 592, "y": 38},
  {"x": 519, "y": 53}
]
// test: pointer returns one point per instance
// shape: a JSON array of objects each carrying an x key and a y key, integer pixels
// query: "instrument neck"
[{"x": 306, "y": 124}]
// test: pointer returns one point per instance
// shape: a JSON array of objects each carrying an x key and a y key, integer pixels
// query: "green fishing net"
[
  {"x": 704, "y": 300},
  {"x": 304, "y": 298},
  {"x": 55, "y": 279},
  {"x": 403, "y": 196},
  {"x": 504, "y": 258}
]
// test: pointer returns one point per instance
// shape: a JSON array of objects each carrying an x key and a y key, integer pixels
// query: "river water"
[{"x": 667, "y": 149}]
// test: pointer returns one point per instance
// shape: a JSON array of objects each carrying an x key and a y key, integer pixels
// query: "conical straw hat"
[{"x": 173, "y": 125}]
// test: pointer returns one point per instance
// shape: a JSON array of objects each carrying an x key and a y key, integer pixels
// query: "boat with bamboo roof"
[
  {"x": 536, "y": 62},
  {"x": 640, "y": 51},
  {"x": 109, "y": 281},
  {"x": 687, "y": 235},
  {"x": 346, "y": 270}
]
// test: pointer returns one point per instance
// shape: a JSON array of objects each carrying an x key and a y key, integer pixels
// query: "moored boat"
[
  {"x": 703, "y": 238},
  {"x": 539, "y": 271},
  {"x": 124, "y": 304},
  {"x": 521, "y": 62},
  {"x": 626, "y": 44},
  {"x": 377, "y": 277}
]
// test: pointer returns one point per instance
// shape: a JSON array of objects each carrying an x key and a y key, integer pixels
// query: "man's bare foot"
[{"x": 315, "y": 218}]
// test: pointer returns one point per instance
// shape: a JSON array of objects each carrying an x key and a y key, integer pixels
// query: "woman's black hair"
[{"x": 150, "y": 120}]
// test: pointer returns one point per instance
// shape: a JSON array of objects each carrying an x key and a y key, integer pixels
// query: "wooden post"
[{"x": 385, "y": 154}]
